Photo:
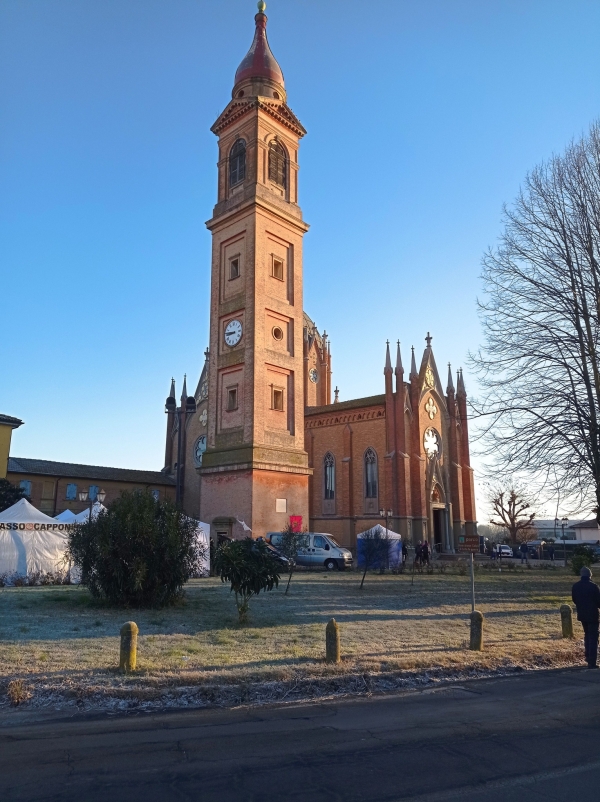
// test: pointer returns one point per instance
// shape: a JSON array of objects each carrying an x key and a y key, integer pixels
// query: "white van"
[{"x": 319, "y": 549}]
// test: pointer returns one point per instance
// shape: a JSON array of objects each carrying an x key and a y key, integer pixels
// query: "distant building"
[
  {"x": 54, "y": 486},
  {"x": 7, "y": 424},
  {"x": 584, "y": 530}
]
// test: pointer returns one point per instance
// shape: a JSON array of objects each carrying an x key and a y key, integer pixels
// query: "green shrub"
[
  {"x": 249, "y": 567},
  {"x": 583, "y": 555},
  {"x": 138, "y": 553}
]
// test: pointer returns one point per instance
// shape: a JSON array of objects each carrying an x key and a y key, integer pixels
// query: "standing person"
[
  {"x": 425, "y": 552},
  {"x": 404, "y": 547},
  {"x": 551, "y": 552},
  {"x": 418, "y": 553},
  {"x": 523, "y": 549},
  {"x": 586, "y": 597}
]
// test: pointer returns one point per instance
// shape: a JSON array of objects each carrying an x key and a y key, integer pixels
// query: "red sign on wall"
[{"x": 296, "y": 523}]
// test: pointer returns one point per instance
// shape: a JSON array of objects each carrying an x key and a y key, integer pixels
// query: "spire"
[
  {"x": 460, "y": 383},
  {"x": 336, "y": 400},
  {"x": 428, "y": 340},
  {"x": 172, "y": 391},
  {"x": 259, "y": 62},
  {"x": 388, "y": 361},
  {"x": 184, "y": 390},
  {"x": 399, "y": 369},
  {"x": 413, "y": 364},
  {"x": 206, "y": 355},
  {"x": 450, "y": 387}
]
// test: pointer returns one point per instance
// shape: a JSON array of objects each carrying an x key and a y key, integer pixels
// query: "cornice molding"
[
  {"x": 343, "y": 418},
  {"x": 278, "y": 111}
]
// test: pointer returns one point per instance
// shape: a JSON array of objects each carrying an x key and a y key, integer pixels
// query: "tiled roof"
[
  {"x": 8, "y": 420},
  {"x": 585, "y": 525},
  {"x": 71, "y": 470},
  {"x": 371, "y": 401}
]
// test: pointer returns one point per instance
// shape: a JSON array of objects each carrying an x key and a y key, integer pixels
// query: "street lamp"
[
  {"x": 387, "y": 514},
  {"x": 563, "y": 523},
  {"x": 85, "y": 496}
]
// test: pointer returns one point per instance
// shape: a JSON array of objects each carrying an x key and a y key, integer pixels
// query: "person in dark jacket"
[{"x": 586, "y": 597}]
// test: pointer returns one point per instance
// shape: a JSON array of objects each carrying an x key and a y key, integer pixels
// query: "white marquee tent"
[
  {"x": 31, "y": 541},
  {"x": 66, "y": 517},
  {"x": 85, "y": 514},
  {"x": 395, "y": 545}
]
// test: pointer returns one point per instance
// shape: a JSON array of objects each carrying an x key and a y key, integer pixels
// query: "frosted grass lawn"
[{"x": 60, "y": 640}]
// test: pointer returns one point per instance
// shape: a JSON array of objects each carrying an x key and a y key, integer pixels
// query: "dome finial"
[{"x": 259, "y": 63}]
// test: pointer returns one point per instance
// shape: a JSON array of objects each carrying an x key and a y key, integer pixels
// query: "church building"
[{"x": 261, "y": 444}]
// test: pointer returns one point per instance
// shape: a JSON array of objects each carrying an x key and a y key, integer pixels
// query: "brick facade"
[{"x": 264, "y": 411}]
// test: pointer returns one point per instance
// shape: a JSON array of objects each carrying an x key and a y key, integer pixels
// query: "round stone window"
[{"x": 277, "y": 333}]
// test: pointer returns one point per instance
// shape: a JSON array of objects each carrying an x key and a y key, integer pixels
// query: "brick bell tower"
[{"x": 255, "y": 468}]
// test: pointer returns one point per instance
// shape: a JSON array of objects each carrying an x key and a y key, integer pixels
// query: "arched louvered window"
[
  {"x": 277, "y": 164},
  {"x": 370, "y": 473},
  {"x": 237, "y": 162},
  {"x": 329, "y": 475}
]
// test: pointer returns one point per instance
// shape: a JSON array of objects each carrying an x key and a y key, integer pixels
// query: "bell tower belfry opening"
[{"x": 255, "y": 468}]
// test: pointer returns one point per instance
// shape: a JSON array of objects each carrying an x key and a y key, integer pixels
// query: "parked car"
[
  {"x": 502, "y": 550},
  {"x": 318, "y": 549},
  {"x": 277, "y": 555}
]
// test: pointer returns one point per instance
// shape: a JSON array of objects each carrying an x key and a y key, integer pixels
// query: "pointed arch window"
[
  {"x": 371, "y": 478},
  {"x": 329, "y": 476},
  {"x": 277, "y": 164},
  {"x": 237, "y": 162}
]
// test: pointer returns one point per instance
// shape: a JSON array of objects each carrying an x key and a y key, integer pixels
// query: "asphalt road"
[{"x": 530, "y": 737}]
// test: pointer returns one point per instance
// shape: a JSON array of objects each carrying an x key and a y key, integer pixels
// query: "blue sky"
[{"x": 422, "y": 117}]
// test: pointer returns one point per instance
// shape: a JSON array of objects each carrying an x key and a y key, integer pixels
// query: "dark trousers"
[{"x": 590, "y": 639}]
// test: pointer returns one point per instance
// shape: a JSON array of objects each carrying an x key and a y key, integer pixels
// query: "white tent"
[
  {"x": 66, "y": 517},
  {"x": 31, "y": 541},
  {"x": 85, "y": 515},
  {"x": 203, "y": 537},
  {"x": 395, "y": 553}
]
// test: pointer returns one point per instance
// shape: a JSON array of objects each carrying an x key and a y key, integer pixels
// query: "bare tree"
[
  {"x": 512, "y": 510},
  {"x": 290, "y": 544},
  {"x": 539, "y": 365},
  {"x": 373, "y": 549}
]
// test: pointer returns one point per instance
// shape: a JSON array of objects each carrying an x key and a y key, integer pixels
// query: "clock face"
[
  {"x": 199, "y": 449},
  {"x": 313, "y": 375},
  {"x": 233, "y": 332}
]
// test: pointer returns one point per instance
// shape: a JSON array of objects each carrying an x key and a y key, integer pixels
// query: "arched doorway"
[{"x": 438, "y": 518}]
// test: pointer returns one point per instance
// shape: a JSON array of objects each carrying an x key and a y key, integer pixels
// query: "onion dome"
[{"x": 259, "y": 64}]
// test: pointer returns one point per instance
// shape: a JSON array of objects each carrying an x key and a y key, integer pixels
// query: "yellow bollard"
[
  {"x": 566, "y": 619},
  {"x": 476, "y": 643},
  {"x": 332, "y": 642},
  {"x": 128, "y": 657}
]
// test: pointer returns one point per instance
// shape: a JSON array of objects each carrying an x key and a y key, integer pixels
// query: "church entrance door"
[{"x": 438, "y": 529}]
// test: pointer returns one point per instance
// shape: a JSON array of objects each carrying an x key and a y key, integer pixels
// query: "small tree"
[
  {"x": 249, "y": 567},
  {"x": 138, "y": 553},
  {"x": 10, "y": 494},
  {"x": 511, "y": 506},
  {"x": 290, "y": 545},
  {"x": 373, "y": 548},
  {"x": 583, "y": 555}
]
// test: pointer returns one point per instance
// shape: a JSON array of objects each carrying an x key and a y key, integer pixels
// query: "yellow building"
[{"x": 7, "y": 424}]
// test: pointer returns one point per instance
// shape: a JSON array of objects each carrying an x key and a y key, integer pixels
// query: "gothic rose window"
[
  {"x": 370, "y": 473},
  {"x": 329, "y": 475},
  {"x": 277, "y": 164},
  {"x": 237, "y": 162}
]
